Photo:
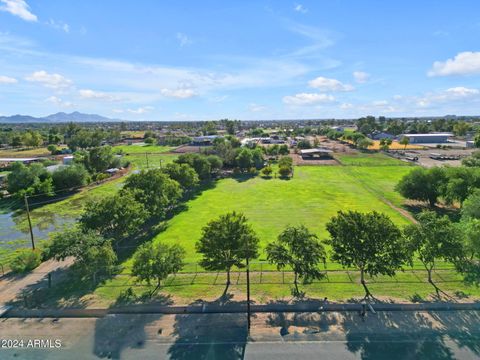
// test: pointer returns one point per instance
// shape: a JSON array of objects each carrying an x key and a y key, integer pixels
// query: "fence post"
[
  {"x": 49, "y": 280},
  {"x": 261, "y": 272}
]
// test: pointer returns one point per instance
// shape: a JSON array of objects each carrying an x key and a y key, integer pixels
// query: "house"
[
  {"x": 315, "y": 153},
  {"x": 433, "y": 138},
  {"x": 204, "y": 140},
  {"x": 112, "y": 171},
  {"x": 381, "y": 135},
  {"x": 67, "y": 160}
]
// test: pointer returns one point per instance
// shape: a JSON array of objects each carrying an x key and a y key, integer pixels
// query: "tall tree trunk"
[
  {"x": 295, "y": 282},
  {"x": 228, "y": 282},
  {"x": 364, "y": 284},
  {"x": 156, "y": 288}
]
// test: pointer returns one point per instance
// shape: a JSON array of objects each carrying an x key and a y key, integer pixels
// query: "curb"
[{"x": 237, "y": 308}]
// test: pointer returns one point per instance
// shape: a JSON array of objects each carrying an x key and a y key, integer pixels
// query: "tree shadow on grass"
[
  {"x": 210, "y": 336},
  {"x": 243, "y": 177},
  {"x": 416, "y": 208}
]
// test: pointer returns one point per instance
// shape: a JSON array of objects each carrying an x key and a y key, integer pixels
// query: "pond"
[{"x": 14, "y": 236}]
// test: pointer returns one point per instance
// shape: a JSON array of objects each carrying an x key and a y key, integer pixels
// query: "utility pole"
[
  {"x": 29, "y": 222},
  {"x": 248, "y": 290}
]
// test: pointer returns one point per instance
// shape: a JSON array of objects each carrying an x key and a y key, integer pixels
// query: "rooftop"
[{"x": 315, "y": 151}]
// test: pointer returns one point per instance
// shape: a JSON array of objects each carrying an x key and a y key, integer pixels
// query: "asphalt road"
[{"x": 276, "y": 336}]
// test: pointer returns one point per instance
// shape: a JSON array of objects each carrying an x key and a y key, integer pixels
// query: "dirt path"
[
  {"x": 401, "y": 211},
  {"x": 12, "y": 285}
]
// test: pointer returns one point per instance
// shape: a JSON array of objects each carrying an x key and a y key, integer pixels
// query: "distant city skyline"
[{"x": 150, "y": 60}]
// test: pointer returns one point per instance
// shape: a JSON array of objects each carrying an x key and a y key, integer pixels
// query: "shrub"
[
  {"x": 284, "y": 171},
  {"x": 70, "y": 176},
  {"x": 267, "y": 171},
  {"x": 26, "y": 260}
]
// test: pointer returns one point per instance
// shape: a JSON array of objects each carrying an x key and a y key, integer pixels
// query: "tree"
[
  {"x": 29, "y": 180},
  {"x": 473, "y": 160},
  {"x": 155, "y": 189},
  {"x": 422, "y": 184},
  {"x": 70, "y": 176},
  {"x": 404, "y": 141},
  {"x": 156, "y": 262},
  {"x": 199, "y": 162},
  {"x": 299, "y": 250},
  {"x": 459, "y": 183},
  {"x": 99, "y": 159},
  {"x": 476, "y": 140},
  {"x": 364, "y": 143},
  {"x": 385, "y": 144},
  {"x": 227, "y": 241},
  {"x": 116, "y": 216},
  {"x": 471, "y": 206},
  {"x": 52, "y": 148},
  {"x": 283, "y": 150},
  {"x": 184, "y": 174},
  {"x": 32, "y": 139},
  {"x": 244, "y": 159},
  {"x": 91, "y": 251},
  {"x": 257, "y": 158},
  {"x": 215, "y": 162},
  {"x": 368, "y": 241},
  {"x": 433, "y": 238}
]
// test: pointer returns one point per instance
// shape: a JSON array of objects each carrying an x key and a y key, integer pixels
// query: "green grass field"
[
  {"x": 312, "y": 197},
  {"x": 365, "y": 182}
]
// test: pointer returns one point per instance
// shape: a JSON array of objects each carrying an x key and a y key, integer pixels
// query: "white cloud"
[
  {"x": 59, "y": 102},
  {"x": 346, "y": 106},
  {"x": 7, "y": 80},
  {"x": 97, "y": 95},
  {"x": 58, "y": 25},
  {"x": 178, "y": 93},
  {"x": 300, "y": 8},
  {"x": 18, "y": 8},
  {"x": 141, "y": 110},
  {"x": 253, "y": 107},
  {"x": 325, "y": 84},
  {"x": 137, "y": 111},
  {"x": 53, "y": 81},
  {"x": 464, "y": 63},
  {"x": 461, "y": 91},
  {"x": 183, "y": 39},
  {"x": 361, "y": 77},
  {"x": 307, "y": 99}
]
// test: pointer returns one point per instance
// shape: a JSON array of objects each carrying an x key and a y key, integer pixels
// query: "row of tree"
[
  {"x": 146, "y": 198},
  {"x": 369, "y": 242},
  {"x": 35, "y": 179}
]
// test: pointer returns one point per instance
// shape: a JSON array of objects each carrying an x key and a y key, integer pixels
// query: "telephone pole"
[
  {"x": 29, "y": 222},
  {"x": 247, "y": 255}
]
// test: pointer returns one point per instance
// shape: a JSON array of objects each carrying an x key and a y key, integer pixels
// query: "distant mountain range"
[{"x": 59, "y": 117}]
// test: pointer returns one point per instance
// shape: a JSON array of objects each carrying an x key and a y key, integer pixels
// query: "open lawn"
[
  {"x": 14, "y": 153},
  {"x": 312, "y": 197},
  {"x": 141, "y": 148}
]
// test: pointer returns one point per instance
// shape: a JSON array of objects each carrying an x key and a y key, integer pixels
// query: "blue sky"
[{"x": 199, "y": 60}]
